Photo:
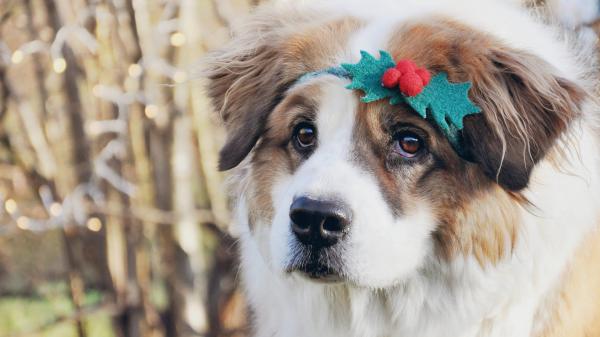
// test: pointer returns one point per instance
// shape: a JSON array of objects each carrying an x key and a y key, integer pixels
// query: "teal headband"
[{"x": 403, "y": 82}]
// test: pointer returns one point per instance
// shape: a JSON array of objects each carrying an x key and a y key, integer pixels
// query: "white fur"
[
  {"x": 330, "y": 173},
  {"x": 388, "y": 296},
  {"x": 573, "y": 13}
]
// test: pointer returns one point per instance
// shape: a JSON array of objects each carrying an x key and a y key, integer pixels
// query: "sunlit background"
[{"x": 113, "y": 218}]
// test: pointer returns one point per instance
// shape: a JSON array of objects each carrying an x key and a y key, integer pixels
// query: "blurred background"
[{"x": 113, "y": 218}]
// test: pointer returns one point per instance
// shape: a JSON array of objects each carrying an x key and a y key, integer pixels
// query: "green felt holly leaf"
[
  {"x": 366, "y": 76},
  {"x": 448, "y": 103}
]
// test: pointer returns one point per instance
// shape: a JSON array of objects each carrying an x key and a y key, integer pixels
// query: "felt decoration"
[
  {"x": 406, "y": 66},
  {"x": 407, "y": 76},
  {"x": 391, "y": 78},
  {"x": 366, "y": 75},
  {"x": 447, "y": 104},
  {"x": 335, "y": 71},
  {"x": 424, "y": 75},
  {"x": 411, "y": 84}
]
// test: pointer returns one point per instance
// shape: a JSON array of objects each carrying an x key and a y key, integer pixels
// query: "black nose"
[{"x": 319, "y": 223}]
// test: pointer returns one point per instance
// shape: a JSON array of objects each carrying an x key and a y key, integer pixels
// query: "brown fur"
[
  {"x": 576, "y": 304},
  {"x": 525, "y": 110},
  {"x": 525, "y": 107},
  {"x": 275, "y": 155},
  {"x": 486, "y": 227},
  {"x": 248, "y": 78},
  {"x": 475, "y": 216}
]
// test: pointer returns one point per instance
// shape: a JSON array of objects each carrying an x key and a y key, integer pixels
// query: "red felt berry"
[
  {"x": 411, "y": 84},
  {"x": 424, "y": 75},
  {"x": 406, "y": 66},
  {"x": 390, "y": 78}
]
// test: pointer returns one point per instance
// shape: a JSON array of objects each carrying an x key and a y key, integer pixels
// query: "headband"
[{"x": 403, "y": 82}]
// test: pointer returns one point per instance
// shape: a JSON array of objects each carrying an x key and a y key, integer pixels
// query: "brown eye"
[
  {"x": 305, "y": 136},
  {"x": 408, "y": 144}
]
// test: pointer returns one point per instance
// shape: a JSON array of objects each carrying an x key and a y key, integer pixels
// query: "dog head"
[{"x": 341, "y": 190}]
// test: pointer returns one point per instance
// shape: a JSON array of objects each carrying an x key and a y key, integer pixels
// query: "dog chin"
[
  {"x": 316, "y": 265},
  {"x": 321, "y": 274}
]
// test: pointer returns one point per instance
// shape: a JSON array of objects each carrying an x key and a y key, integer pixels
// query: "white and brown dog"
[{"x": 364, "y": 220}]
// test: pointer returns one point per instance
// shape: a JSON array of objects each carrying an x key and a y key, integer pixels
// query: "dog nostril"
[
  {"x": 300, "y": 220},
  {"x": 319, "y": 223},
  {"x": 333, "y": 225}
]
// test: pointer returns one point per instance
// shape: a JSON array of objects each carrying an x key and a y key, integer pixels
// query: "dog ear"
[
  {"x": 244, "y": 84},
  {"x": 525, "y": 110},
  {"x": 248, "y": 77}
]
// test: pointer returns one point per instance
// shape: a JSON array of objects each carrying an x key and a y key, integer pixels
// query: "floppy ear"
[
  {"x": 246, "y": 81},
  {"x": 249, "y": 76},
  {"x": 244, "y": 88},
  {"x": 525, "y": 110}
]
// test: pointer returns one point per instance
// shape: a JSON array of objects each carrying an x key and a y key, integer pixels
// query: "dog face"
[{"x": 340, "y": 190}]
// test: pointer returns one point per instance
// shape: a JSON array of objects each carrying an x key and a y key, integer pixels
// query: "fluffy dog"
[{"x": 365, "y": 219}]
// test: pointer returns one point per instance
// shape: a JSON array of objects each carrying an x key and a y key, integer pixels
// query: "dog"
[{"x": 457, "y": 195}]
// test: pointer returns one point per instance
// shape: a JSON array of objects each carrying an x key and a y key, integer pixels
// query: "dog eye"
[
  {"x": 305, "y": 136},
  {"x": 408, "y": 144}
]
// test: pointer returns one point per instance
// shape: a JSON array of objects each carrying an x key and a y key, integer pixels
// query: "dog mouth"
[
  {"x": 319, "y": 273},
  {"x": 318, "y": 265}
]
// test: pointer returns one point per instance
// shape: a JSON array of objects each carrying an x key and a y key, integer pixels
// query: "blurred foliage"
[
  {"x": 24, "y": 314},
  {"x": 113, "y": 217}
]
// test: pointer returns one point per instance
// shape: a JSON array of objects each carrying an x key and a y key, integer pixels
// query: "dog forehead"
[
  {"x": 336, "y": 114},
  {"x": 526, "y": 31}
]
